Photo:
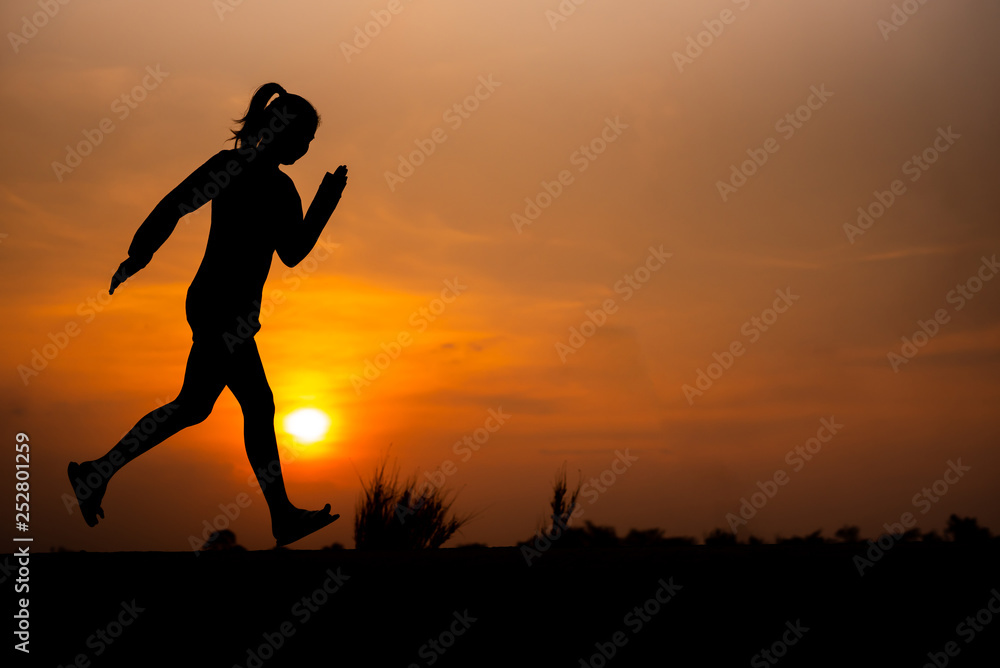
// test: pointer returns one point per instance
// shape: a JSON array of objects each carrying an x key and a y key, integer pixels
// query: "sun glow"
[{"x": 307, "y": 425}]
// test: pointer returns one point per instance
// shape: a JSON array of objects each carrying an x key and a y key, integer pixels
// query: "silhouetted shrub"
[{"x": 221, "y": 540}]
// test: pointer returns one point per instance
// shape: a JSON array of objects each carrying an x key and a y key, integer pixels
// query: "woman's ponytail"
[{"x": 255, "y": 118}]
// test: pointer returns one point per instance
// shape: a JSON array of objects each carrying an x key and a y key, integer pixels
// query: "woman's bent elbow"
[{"x": 290, "y": 259}]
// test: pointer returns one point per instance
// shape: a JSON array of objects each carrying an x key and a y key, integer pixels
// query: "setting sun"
[{"x": 308, "y": 425}]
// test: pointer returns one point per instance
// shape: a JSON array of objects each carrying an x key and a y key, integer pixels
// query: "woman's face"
[
  {"x": 292, "y": 144},
  {"x": 295, "y": 148}
]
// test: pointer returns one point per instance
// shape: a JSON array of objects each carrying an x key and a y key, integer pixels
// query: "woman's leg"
[
  {"x": 248, "y": 383},
  {"x": 203, "y": 383}
]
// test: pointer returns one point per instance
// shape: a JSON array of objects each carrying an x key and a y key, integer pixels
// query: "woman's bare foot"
[
  {"x": 90, "y": 487},
  {"x": 297, "y": 523}
]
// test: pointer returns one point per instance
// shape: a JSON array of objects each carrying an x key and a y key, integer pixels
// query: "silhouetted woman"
[{"x": 255, "y": 212}]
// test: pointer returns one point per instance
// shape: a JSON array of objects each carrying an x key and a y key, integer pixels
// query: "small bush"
[{"x": 222, "y": 540}]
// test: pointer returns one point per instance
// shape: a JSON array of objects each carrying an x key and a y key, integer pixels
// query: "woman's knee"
[
  {"x": 191, "y": 411},
  {"x": 261, "y": 405}
]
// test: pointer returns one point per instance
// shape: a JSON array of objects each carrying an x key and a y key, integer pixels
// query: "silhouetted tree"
[
  {"x": 655, "y": 538},
  {"x": 815, "y": 538},
  {"x": 849, "y": 534},
  {"x": 643, "y": 538},
  {"x": 599, "y": 536},
  {"x": 966, "y": 530},
  {"x": 720, "y": 538}
]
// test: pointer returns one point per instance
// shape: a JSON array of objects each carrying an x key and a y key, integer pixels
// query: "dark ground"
[{"x": 215, "y": 608}]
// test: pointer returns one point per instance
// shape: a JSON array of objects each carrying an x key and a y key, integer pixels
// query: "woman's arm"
[
  {"x": 300, "y": 236},
  {"x": 188, "y": 196}
]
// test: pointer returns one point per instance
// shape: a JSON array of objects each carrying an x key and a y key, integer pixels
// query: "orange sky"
[{"x": 677, "y": 127}]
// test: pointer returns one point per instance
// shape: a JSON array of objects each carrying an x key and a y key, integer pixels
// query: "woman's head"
[{"x": 281, "y": 128}]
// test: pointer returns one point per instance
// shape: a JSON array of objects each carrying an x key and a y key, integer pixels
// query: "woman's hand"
[
  {"x": 129, "y": 267},
  {"x": 339, "y": 179},
  {"x": 328, "y": 195}
]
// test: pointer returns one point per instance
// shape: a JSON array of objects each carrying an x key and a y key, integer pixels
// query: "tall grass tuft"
[
  {"x": 563, "y": 507},
  {"x": 394, "y": 515}
]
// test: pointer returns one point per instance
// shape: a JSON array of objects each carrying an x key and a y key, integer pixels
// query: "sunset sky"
[{"x": 642, "y": 124}]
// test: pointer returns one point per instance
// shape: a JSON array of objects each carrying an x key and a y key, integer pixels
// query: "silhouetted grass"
[
  {"x": 562, "y": 508},
  {"x": 394, "y": 515}
]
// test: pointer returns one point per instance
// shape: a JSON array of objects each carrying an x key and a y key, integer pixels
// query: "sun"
[{"x": 307, "y": 425}]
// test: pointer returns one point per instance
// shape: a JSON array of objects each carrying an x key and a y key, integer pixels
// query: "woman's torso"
[{"x": 254, "y": 202}]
